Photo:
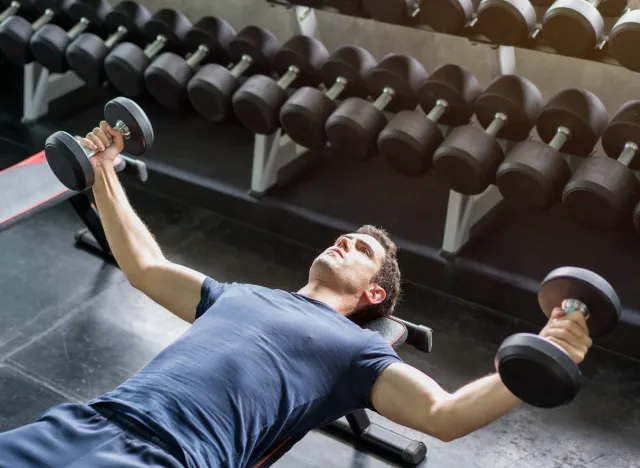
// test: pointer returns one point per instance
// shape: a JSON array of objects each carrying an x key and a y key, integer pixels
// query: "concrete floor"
[{"x": 71, "y": 328}]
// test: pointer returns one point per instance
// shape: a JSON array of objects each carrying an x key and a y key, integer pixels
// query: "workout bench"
[{"x": 357, "y": 425}]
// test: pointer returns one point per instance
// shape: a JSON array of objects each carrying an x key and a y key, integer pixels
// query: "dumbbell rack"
[{"x": 274, "y": 152}]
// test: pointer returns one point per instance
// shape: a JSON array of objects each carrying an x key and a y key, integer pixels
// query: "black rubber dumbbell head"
[
  {"x": 86, "y": 54},
  {"x": 411, "y": 138},
  {"x": 354, "y": 127},
  {"x": 624, "y": 39},
  {"x": 70, "y": 162},
  {"x": 506, "y": 22},
  {"x": 391, "y": 11},
  {"x": 535, "y": 172},
  {"x": 304, "y": 115},
  {"x": 540, "y": 372},
  {"x": 469, "y": 156},
  {"x": 168, "y": 75},
  {"x": 573, "y": 27},
  {"x": 126, "y": 63},
  {"x": 49, "y": 43},
  {"x": 447, "y": 16},
  {"x": 603, "y": 190},
  {"x": 258, "y": 101},
  {"x": 16, "y": 32},
  {"x": 212, "y": 87}
]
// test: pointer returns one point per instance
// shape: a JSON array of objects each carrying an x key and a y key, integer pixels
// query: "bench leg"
[{"x": 93, "y": 236}]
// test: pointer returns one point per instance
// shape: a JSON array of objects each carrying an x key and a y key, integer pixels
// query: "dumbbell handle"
[
  {"x": 630, "y": 150},
  {"x": 560, "y": 138},
  {"x": 156, "y": 46},
  {"x": 10, "y": 11},
  {"x": 242, "y": 66},
  {"x": 498, "y": 122},
  {"x": 79, "y": 28},
  {"x": 384, "y": 99},
  {"x": 289, "y": 77},
  {"x": 337, "y": 88},
  {"x": 438, "y": 110},
  {"x": 46, "y": 17},
  {"x": 116, "y": 36},
  {"x": 120, "y": 126},
  {"x": 198, "y": 56}
]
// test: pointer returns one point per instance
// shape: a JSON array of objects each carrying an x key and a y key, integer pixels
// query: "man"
[{"x": 257, "y": 365}]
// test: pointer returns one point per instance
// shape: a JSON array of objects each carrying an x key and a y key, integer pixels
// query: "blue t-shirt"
[{"x": 257, "y": 366}]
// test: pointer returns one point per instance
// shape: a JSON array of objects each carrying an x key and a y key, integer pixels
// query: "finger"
[
  {"x": 106, "y": 142},
  {"x": 570, "y": 327},
  {"x": 96, "y": 141},
  {"x": 575, "y": 353},
  {"x": 556, "y": 314},
  {"x": 565, "y": 335},
  {"x": 579, "y": 319},
  {"x": 117, "y": 136},
  {"x": 87, "y": 143}
]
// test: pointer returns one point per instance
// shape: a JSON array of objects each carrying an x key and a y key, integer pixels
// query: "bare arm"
[
  {"x": 409, "y": 397},
  {"x": 172, "y": 286}
]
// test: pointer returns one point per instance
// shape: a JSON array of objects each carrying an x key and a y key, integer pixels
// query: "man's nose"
[{"x": 345, "y": 244}]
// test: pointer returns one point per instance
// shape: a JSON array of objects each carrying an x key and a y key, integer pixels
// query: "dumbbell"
[
  {"x": 86, "y": 54},
  {"x": 573, "y": 27},
  {"x": 353, "y": 129},
  {"x": 468, "y": 157},
  {"x": 506, "y": 22},
  {"x": 537, "y": 370},
  {"x": 447, "y": 16},
  {"x": 16, "y": 32},
  {"x": 304, "y": 115},
  {"x": 258, "y": 101},
  {"x": 392, "y": 11},
  {"x": 534, "y": 172},
  {"x": 168, "y": 75},
  {"x": 125, "y": 64},
  {"x": 24, "y": 7},
  {"x": 49, "y": 43},
  {"x": 212, "y": 87},
  {"x": 411, "y": 138},
  {"x": 70, "y": 161},
  {"x": 624, "y": 38},
  {"x": 602, "y": 191}
]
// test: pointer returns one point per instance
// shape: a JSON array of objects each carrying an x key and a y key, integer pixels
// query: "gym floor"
[{"x": 71, "y": 328}]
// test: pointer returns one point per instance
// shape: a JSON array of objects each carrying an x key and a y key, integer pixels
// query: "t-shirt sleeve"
[
  {"x": 375, "y": 356},
  {"x": 210, "y": 291}
]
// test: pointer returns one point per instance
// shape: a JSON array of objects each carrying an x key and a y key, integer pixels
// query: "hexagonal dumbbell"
[
  {"x": 258, "y": 101},
  {"x": 16, "y": 32},
  {"x": 212, "y": 87},
  {"x": 168, "y": 75},
  {"x": 49, "y": 43},
  {"x": 469, "y": 156},
  {"x": 447, "y": 16},
  {"x": 573, "y": 27},
  {"x": 411, "y": 138},
  {"x": 534, "y": 172},
  {"x": 603, "y": 191},
  {"x": 86, "y": 54},
  {"x": 304, "y": 115},
  {"x": 353, "y": 129},
  {"x": 506, "y": 22},
  {"x": 392, "y": 11},
  {"x": 624, "y": 38},
  {"x": 125, "y": 65}
]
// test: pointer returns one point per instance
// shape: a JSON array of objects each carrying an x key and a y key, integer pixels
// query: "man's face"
[{"x": 350, "y": 264}]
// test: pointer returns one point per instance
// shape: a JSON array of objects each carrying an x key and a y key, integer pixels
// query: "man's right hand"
[
  {"x": 570, "y": 332},
  {"x": 106, "y": 141}
]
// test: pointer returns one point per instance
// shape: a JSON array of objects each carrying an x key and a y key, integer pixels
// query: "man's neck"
[{"x": 340, "y": 302}]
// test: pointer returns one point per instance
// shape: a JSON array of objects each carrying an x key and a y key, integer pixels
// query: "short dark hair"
[{"x": 388, "y": 277}]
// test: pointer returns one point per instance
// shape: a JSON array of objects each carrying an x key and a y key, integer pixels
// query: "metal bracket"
[
  {"x": 41, "y": 87},
  {"x": 465, "y": 211}
]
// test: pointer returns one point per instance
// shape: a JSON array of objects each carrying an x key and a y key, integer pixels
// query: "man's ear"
[{"x": 375, "y": 294}]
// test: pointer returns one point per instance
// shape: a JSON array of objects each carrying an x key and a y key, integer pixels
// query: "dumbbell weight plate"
[
  {"x": 125, "y": 67},
  {"x": 506, "y": 22},
  {"x": 573, "y": 27},
  {"x": 254, "y": 102},
  {"x": 14, "y": 40},
  {"x": 46, "y": 44},
  {"x": 447, "y": 16},
  {"x": 533, "y": 175},
  {"x": 69, "y": 162},
  {"x": 623, "y": 40},
  {"x": 141, "y": 134},
  {"x": 537, "y": 371},
  {"x": 81, "y": 56},
  {"x": 211, "y": 90},
  {"x": 601, "y": 193},
  {"x": 408, "y": 143},
  {"x": 303, "y": 117},
  {"x": 587, "y": 287}
]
